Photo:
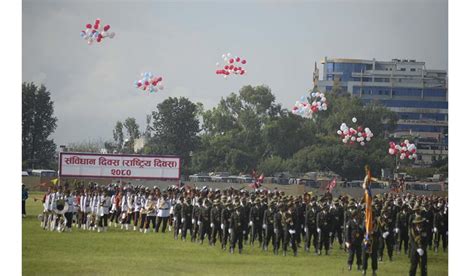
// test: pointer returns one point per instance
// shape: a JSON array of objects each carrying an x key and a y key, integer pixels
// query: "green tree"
[
  {"x": 38, "y": 123},
  {"x": 176, "y": 125},
  {"x": 118, "y": 135},
  {"x": 133, "y": 133}
]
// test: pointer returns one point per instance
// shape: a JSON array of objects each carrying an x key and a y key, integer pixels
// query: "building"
[{"x": 417, "y": 94}]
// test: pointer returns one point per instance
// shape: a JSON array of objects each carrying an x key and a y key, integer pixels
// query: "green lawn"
[{"x": 132, "y": 253}]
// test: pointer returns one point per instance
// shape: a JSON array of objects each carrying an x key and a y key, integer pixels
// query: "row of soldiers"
[{"x": 236, "y": 217}]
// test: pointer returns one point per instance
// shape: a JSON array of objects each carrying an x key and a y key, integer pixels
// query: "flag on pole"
[
  {"x": 368, "y": 206},
  {"x": 331, "y": 185},
  {"x": 54, "y": 181}
]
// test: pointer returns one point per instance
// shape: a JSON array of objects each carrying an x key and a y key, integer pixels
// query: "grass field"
[{"x": 132, "y": 253}]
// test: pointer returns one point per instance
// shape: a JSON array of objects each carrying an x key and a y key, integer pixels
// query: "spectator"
[{"x": 24, "y": 197}]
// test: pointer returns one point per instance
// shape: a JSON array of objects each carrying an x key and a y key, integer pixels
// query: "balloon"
[
  {"x": 244, "y": 61},
  {"x": 354, "y": 120},
  {"x": 106, "y": 27},
  {"x": 88, "y": 26}
]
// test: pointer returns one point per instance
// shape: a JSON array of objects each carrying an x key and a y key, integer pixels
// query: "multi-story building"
[{"x": 417, "y": 94}]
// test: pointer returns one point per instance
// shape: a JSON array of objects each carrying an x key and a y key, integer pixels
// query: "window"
[
  {"x": 403, "y": 69},
  {"x": 413, "y": 69}
]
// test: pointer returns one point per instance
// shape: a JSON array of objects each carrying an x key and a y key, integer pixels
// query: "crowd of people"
[{"x": 402, "y": 223}]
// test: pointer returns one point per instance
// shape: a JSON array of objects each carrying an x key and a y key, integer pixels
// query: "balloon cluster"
[
  {"x": 231, "y": 65},
  {"x": 350, "y": 135},
  {"x": 96, "y": 32},
  {"x": 405, "y": 150},
  {"x": 149, "y": 82},
  {"x": 306, "y": 110}
]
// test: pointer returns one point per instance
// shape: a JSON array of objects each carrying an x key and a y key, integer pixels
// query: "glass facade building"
[{"x": 417, "y": 94}]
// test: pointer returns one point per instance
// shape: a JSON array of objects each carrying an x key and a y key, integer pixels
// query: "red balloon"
[
  {"x": 97, "y": 21},
  {"x": 231, "y": 67},
  {"x": 160, "y": 78},
  {"x": 139, "y": 84},
  {"x": 242, "y": 72},
  {"x": 99, "y": 39},
  {"x": 236, "y": 69},
  {"x": 231, "y": 60},
  {"x": 100, "y": 36},
  {"x": 237, "y": 59},
  {"x": 226, "y": 67},
  {"x": 147, "y": 83},
  {"x": 96, "y": 26},
  {"x": 106, "y": 27},
  {"x": 244, "y": 61},
  {"x": 88, "y": 26},
  {"x": 359, "y": 129},
  {"x": 314, "y": 109}
]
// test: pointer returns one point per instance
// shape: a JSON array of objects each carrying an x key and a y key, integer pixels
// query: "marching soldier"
[
  {"x": 177, "y": 209},
  {"x": 268, "y": 223},
  {"x": 204, "y": 221},
  {"x": 440, "y": 227},
  {"x": 418, "y": 252},
  {"x": 369, "y": 248},
  {"x": 103, "y": 211},
  {"x": 216, "y": 211},
  {"x": 354, "y": 236},
  {"x": 237, "y": 222},
  {"x": 225, "y": 223},
  {"x": 323, "y": 224},
  {"x": 289, "y": 230},
  {"x": 402, "y": 229},
  {"x": 163, "y": 214},
  {"x": 194, "y": 219},
  {"x": 278, "y": 224},
  {"x": 311, "y": 226},
  {"x": 186, "y": 218},
  {"x": 150, "y": 211},
  {"x": 256, "y": 218},
  {"x": 386, "y": 228},
  {"x": 337, "y": 228}
]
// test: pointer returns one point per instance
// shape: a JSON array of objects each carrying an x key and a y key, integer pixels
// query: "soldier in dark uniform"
[
  {"x": 440, "y": 227},
  {"x": 186, "y": 217},
  {"x": 418, "y": 252},
  {"x": 337, "y": 214},
  {"x": 216, "y": 222},
  {"x": 177, "y": 225},
  {"x": 323, "y": 224},
  {"x": 194, "y": 220},
  {"x": 311, "y": 226},
  {"x": 204, "y": 221},
  {"x": 401, "y": 226},
  {"x": 354, "y": 236},
  {"x": 369, "y": 248},
  {"x": 237, "y": 221},
  {"x": 278, "y": 228},
  {"x": 256, "y": 218},
  {"x": 300, "y": 210},
  {"x": 268, "y": 223},
  {"x": 386, "y": 225},
  {"x": 428, "y": 213},
  {"x": 225, "y": 223},
  {"x": 289, "y": 229},
  {"x": 245, "y": 218}
]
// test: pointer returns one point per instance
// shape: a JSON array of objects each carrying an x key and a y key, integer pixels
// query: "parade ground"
[{"x": 118, "y": 252}]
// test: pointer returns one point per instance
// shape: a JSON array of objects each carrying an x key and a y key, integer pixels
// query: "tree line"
[{"x": 246, "y": 131}]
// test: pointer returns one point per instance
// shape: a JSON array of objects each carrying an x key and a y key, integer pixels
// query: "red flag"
[{"x": 332, "y": 185}]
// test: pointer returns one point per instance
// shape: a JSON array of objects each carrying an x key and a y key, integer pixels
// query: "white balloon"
[
  {"x": 112, "y": 34},
  {"x": 339, "y": 132},
  {"x": 228, "y": 54},
  {"x": 368, "y": 139},
  {"x": 354, "y": 120},
  {"x": 353, "y": 138},
  {"x": 362, "y": 143},
  {"x": 217, "y": 63},
  {"x": 223, "y": 56}
]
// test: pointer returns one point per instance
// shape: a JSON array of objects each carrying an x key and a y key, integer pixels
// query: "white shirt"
[{"x": 164, "y": 207}]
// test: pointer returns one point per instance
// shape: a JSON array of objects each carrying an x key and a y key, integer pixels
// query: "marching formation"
[{"x": 230, "y": 218}]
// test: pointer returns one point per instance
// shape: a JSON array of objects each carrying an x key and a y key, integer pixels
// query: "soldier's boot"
[
  {"x": 295, "y": 253},
  {"x": 240, "y": 250},
  {"x": 231, "y": 250},
  {"x": 284, "y": 252},
  {"x": 327, "y": 253},
  {"x": 374, "y": 272},
  {"x": 358, "y": 267},
  {"x": 350, "y": 267},
  {"x": 364, "y": 272},
  {"x": 275, "y": 251},
  {"x": 306, "y": 248},
  {"x": 436, "y": 249}
]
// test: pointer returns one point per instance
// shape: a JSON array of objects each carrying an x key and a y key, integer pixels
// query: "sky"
[{"x": 92, "y": 85}]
